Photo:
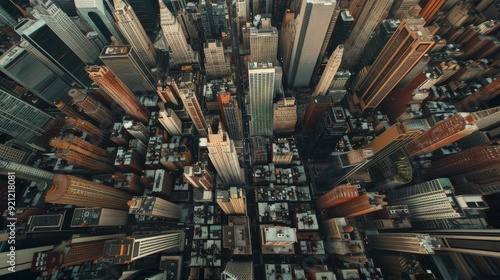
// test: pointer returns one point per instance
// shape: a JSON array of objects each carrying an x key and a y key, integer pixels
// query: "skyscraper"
[
  {"x": 408, "y": 44},
  {"x": 172, "y": 32},
  {"x": 127, "y": 249},
  {"x": 134, "y": 33},
  {"x": 337, "y": 195},
  {"x": 231, "y": 115},
  {"x": 154, "y": 206},
  {"x": 192, "y": 106},
  {"x": 26, "y": 172},
  {"x": 232, "y": 201},
  {"x": 329, "y": 73},
  {"x": 118, "y": 92},
  {"x": 13, "y": 154},
  {"x": 91, "y": 106},
  {"x": 223, "y": 155},
  {"x": 261, "y": 91},
  {"x": 452, "y": 129},
  {"x": 98, "y": 15},
  {"x": 328, "y": 132},
  {"x": 263, "y": 41},
  {"x": 312, "y": 23},
  {"x": 216, "y": 62},
  {"x": 66, "y": 189},
  {"x": 415, "y": 243},
  {"x": 213, "y": 17},
  {"x": 341, "y": 31},
  {"x": 168, "y": 118},
  {"x": 126, "y": 64},
  {"x": 315, "y": 110},
  {"x": 66, "y": 30},
  {"x": 371, "y": 15},
  {"x": 285, "y": 116},
  {"x": 199, "y": 176}
]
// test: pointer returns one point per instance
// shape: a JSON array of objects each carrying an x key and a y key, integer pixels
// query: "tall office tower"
[
  {"x": 338, "y": 83},
  {"x": 313, "y": 21},
  {"x": 213, "y": 18},
  {"x": 182, "y": 53},
  {"x": 193, "y": 108},
  {"x": 238, "y": 270},
  {"x": 360, "y": 205},
  {"x": 127, "y": 249},
  {"x": 223, "y": 155},
  {"x": 188, "y": 19},
  {"x": 452, "y": 129},
  {"x": 154, "y": 206},
  {"x": 232, "y": 201},
  {"x": 429, "y": 200},
  {"x": 415, "y": 243},
  {"x": 169, "y": 120},
  {"x": 471, "y": 161},
  {"x": 216, "y": 62},
  {"x": 26, "y": 70},
  {"x": 341, "y": 31},
  {"x": 45, "y": 45},
  {"x": 330, "y": 70},
  {"x": 282, "y": 153},
  {"x": 199, "y": 176},
  {"x": 98, "y": 15},
  {"x": 430, "y": 8},
  {"x": 21, "y": 120},
  {"x": 81, "y": 152},
  {"x": 72, "y": 190},
  {"x": 231, "y": 115},
  {"x": 263, "y": 41},
  {"x": 93, "y": 131},
  {"x": 286, "y": 39},
  {"x": 329, "y": 130},
  {"x": 285, "y": 116},
  {"x": 392, "y": 171},
  {"x": 407, "y": 46},
  {"x": 134, "y": 33},
  {"x": 69, "y": 111},
  {"x": 66, "y": 30},
  {"x": 336, "y": 196},
  {"x": 91, "y": 106},
  {"x": 118, "y": 92},
  {"x": 374, "y": 46},
  {"x": 315, "y": 110},
  {"x": 127, "y": 65},
  {"x": 261, "y": 91},
  {"x": 371, "y": 15},
  {"x": 13, "y": 154},
  {"x": 137, "y": 129},
  {"x": 342, "y": 165},
  {"x": 25, "y": 171}
]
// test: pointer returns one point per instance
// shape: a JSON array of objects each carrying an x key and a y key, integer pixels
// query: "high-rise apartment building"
[
  {"x": 231, "y": 115},
  {"x": 315, "y": 110},
  {"x": 263, "y": 41},
  {"x": 83, "y": 153},
  {"x": 192, "y": 106},
  {"x": 415, "y": 243},
  {"x": 452, "y": 129},
  {"x": 172, "y": 32},
  {"x": 134, "y": 33},
  {"x": 118, "y": 92},
  {"x": 213, "y": 18},
  {"x": 370, "y": 16},
  {"x": 66, "y": 30},
  {"x": 199, "y": 176},
  {"x": 170, "y": 121},
  {"x": 154, "y": 206},
  {"x": 409, "y": 43},
  {"x": 261, "y": 92},
  {"x": 72, "y": 190},
  {"x": 127, "y": 65},
  {"x": 124, "y": 250},
  {"x": 98, "y": 15},
  {"x": 26, "y": 172},
  {"x": 223, "y": 155},
  {"x": 285, "y": 116},
  {"x": 232, "y": 201},
  {"x": 91, "y": 106},
  {"x": 312, "y": 24},
  {"x": 216, "y": 62},
  {"x": 331, "y": 68}
]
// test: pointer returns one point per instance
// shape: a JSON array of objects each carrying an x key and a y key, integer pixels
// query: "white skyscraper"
[
  {"x": 223, "y": 155},
  {"x": 312, "y": 21},
  {"x": 329, "y": 73},
  {"x": 134, "y": 33},
  {"x": 216, "y": 63},
  {"x": 66, "y": 30},
  {"x": 261, "y": 91},
  {"x": 176, "y": 40},
  {"x": 263, "y": 41},
  {"x": 89, "y": 9},
  {"x": 168, "y": 118}
]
